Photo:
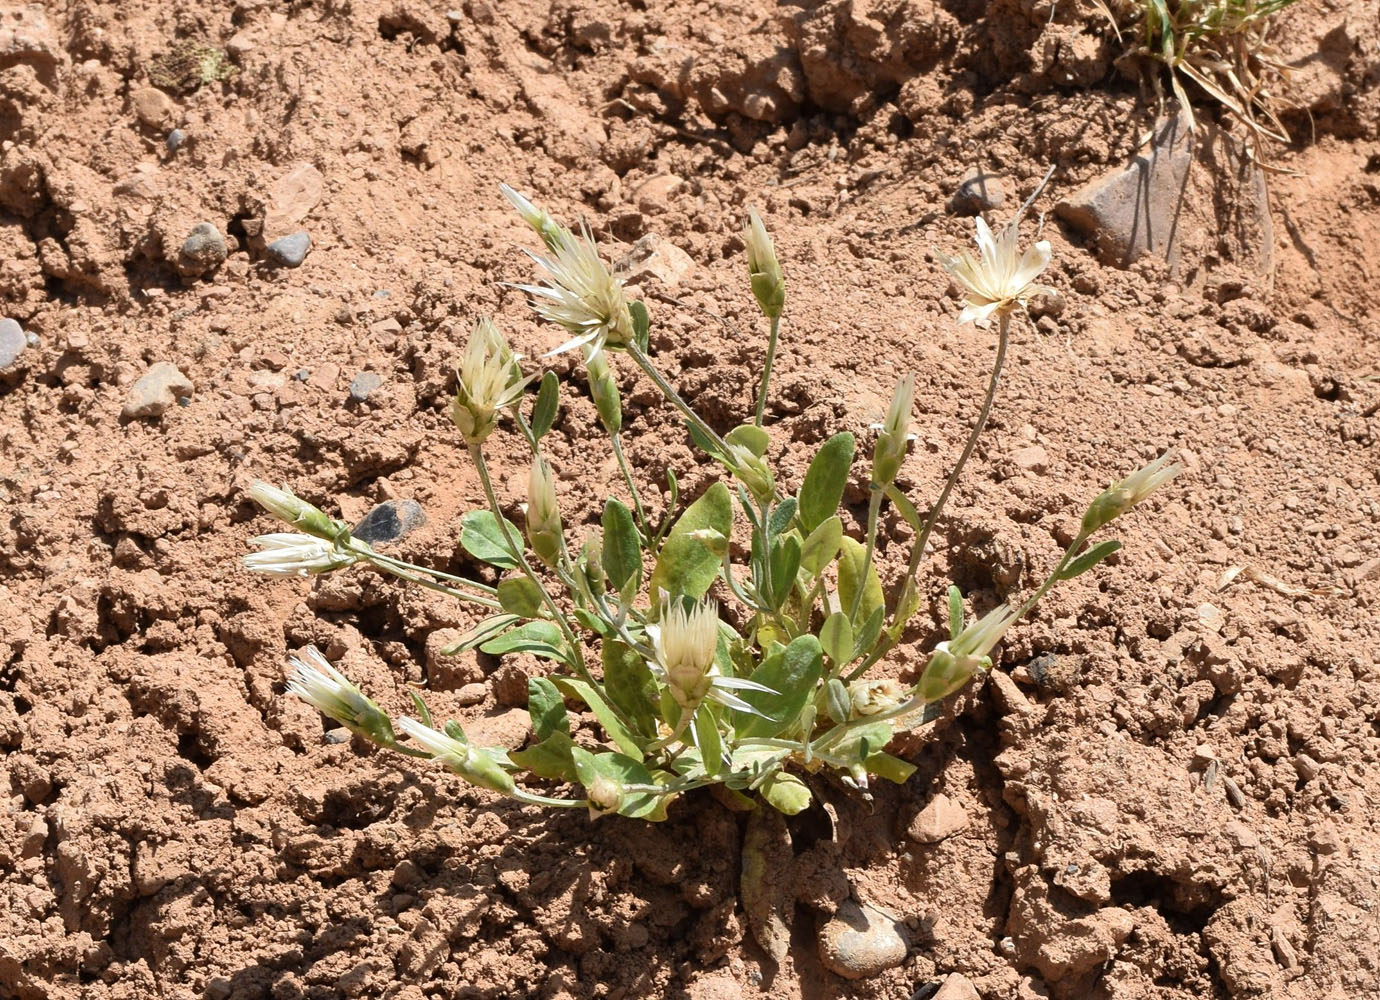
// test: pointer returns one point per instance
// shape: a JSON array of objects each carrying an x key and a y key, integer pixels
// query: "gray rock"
[
  {"x": 161, "y": 387},
  {"x": 290, "y": 251},
  {"x": 175, "y": 140},
  {"x": 341, "y": 735},
  {"x": 861, "y": 941},
  {"x": 978, "y": 192},
  {"x": 363, "y": 384},
  {"x": 12, "y": 342},
  {"x": 1136, "y": 211},
  {"x": 389, "y": 521},
  {"x": 204, "y": 250}
]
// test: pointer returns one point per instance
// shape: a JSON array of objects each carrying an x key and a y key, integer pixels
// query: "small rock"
[
  {"x": 1009, "y": 698},
  {"x": 1284, "y": 951},
  {"x": 25, "y": 37},
  {"x": 653, "y": 257},
  {"x": 472, "y": 694},
  {"x": 1032, "y": 458},
  {"x": 158, "y": 389},
  {"x": 860, "y": 941},
  {"x": 12, "y": 342},
  {"x": 175, "y": 140},
  {"x": 654, "y": 195},
  {"x": 978, "y": 192},
  {"x": 341, "y": 735},
  {"x": 942, "y": 817},
  {"x": 290, "y": 251},
  {"x": 1203, "y": 755},
  {"x": 291, "y": 199},
  {"x": 153, "y": 108},
  {"x": 389, "y": 521},
  {"x": 1306, "y": 766},
  {"x": 204, "y": 250},
  {"x": 956, "y": 987},
  {"x": 1135, "y": 211},
  {"x": 363, "y": 384}
]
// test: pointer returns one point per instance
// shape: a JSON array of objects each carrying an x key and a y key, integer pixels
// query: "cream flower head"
[
  {"x": 581, "y": 294},
  {"x": 685, "y": 641},
  {"x": 488, "y": 380},
  {"x": 286, "y": 553},
  {"x": 330, "y": 692},
  {"x": 1001, "y": 278}
]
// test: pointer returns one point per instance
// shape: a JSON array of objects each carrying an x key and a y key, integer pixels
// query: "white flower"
[
  {"x": 288, "y": 553},
  {"x": 1122, "y": 496},
  {"x": 1001, "y": 278},
  {"x": 581, "y": 294},
  {"x": 550, "y": 231},
  {"x": 477, "y": 765},
  {"x": 954, "y": 663},
  {"x": 326, "y": 689},
  {"x": 488, "y": 380},
  {"x": 685, "y": 642},
  {"x": 436, "y": 743}
]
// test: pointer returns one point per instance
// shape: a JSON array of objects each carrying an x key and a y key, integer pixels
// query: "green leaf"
[
  {"x": 642, "y": 324},
  {"x": 538, "y": 638},
  {"x": 629, "y": 684},
  {"x": 546, "y": 707},
  {"x": 519, "y": 595},
  {"x": 1089, "y": 559},
  {"x": 955, "y": 613},
  {"x": 821, "y": 546},
  {"x": 548, "y": 399},
  {"x": 423, "y": 713},
  {"x": 792, "y": 673},
  {"x": 703, "y": 441},
  {"x": 836, "y": 636},
  {"x": 751, "y": 437},
  {"x": 685, "y": 566},
  {"x": 453, "y": 730},
  {"x": 904, "y": 505},
  {"x": 482, "y": 538},
  {"x": 781, "y": 517},
  {"x": 624, "y": 770},
  {"x": 481, "y": 633},
  {"x": 862, "y": 742},
  {"x": 891, "y": 768},
  {"x": 603, "y": 711},
  {"x": 786, "y": 794},
  {"x": 708, "y": 740},
  {"x": 622, "y": 549},
  {"x": 866, "y": 637},
  {"x": 825, "y": 480},
  {"x": 785, "y": 564},
  {"x": 837, "y": 701},
  {"x": 551, "y": 758},
  {"x": 852, "y": 555}
]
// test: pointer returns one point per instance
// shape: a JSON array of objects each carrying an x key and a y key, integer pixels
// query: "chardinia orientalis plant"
[{"x": 684, "y": 699}]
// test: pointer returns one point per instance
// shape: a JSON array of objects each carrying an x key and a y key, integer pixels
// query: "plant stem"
[
  {"x": 532, "y": 798},
  {"x": 421, "y": 581},
  {"x": 917, "y": 553},
  {"x": 1054, "y": 576},
  {"x": 641, "y": 514},
  {"x": 874, "y": 506},
  {"x": 766, "y": 369},
  {"x": 378, "y": 558},
  {"x": 645, "y": 363}
]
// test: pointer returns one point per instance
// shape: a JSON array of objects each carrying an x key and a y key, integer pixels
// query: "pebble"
[
  {"x": 289, "y": 251},
  {"x": 389, "y": 521},
  {"x": 472, "y": 694},
  {"x": 157, "y": 389},
  {"x": 1032, "y": 458},
  {"x": 978, "y": 192},
  {"x": 956, "y": 987},
  {"x": 1306, "y": 766},
  {"x": 12, "y": 342},
  {"x": 363, "y": 384},
  {"x": 941, "y": 818},
  {"x": 341, "y": 735},
  {"x": 860, "y": 941},
  {"x": 175, "y": 140},
  {"x": 204, "y": 250},
  {"x": 152, "y": 107}
]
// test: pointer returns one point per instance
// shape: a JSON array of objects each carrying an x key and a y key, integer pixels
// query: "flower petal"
[{"x": 1035, "y": 260}]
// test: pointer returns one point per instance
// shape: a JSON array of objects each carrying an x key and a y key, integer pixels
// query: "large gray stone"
[
  {"x": 860, "y": 941},
  {"x": 1139, "y": 209},
  {"x": 12, "y": 342},
  {"x": 203, "y": 250}
]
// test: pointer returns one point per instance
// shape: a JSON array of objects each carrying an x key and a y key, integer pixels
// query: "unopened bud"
[
  {"x": 1122, "y": 496},
  {"x": 592, "y": 567},
  {"x": 715, "y": 541},
  {"x": 603, "y": 387},
  {"x": 753, "y": 472},
  {"x": 550, "y": 231},
  {"x": 894, "y": 434},
  {"x": 283, "y": 504},
  {"x": 605, "y": 794},
  {"x": 543, "y": 515},
  {"x": 764, "y": 271}
]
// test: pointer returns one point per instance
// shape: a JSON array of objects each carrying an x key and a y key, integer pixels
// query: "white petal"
[
  {"x": 1036, "y": 259},
  {"x": 733, "y": 701},
  {"x": 742, "y": 684},
  {"x": 575, "y": 342},
  {"x": 987, "y": 245},
  {"x": 978, "y": 314}
]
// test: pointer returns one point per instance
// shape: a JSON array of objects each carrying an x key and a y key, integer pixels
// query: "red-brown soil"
[{"x": 1171, "y": 788}]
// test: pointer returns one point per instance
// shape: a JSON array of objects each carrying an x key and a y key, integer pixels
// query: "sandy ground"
[{"x": 1170, "y": 790}]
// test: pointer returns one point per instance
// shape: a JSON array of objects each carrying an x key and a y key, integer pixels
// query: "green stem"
[
  {"x": 645, "y": 363},
  {"x": 874, "y": 507},
  {"x": 638, "y": 510},
  {"x": 766, "y": 369},
  {"x": 440, "y": 588},
  {"x": 1054, "y": 576},
  {"x": 379, "y": 558},
  {"x": 532, "y": 798},
  {"x": 917, "y": 553}
]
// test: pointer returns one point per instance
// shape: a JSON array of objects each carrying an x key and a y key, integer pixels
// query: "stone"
[
  {"x": 12, "y": 342},
  {"x": 336, "y": 736},
  {"x": 941, "y": 818},
  {"x": 654, "y": 194},
  {"x": 363, "y": 384},
  {"x": 153, "y": 108},
  {"x": 389, "y": 521},
  {"x": 956, "y": 987},
  {"x": 1032, "y": 458},
  {"x": 175, "y": 140},
  {"x": 655, "y": 258},
  {"x": 472, "y": 694},
  {"x": 859, "y": 941},
  {"x": 1136, "y": 211},
  {"x": 156, "y": 391},
  {"x": 203, "y": 250},
  {"x": 978, "y": 192},
  {"x": 290, "y": 200},
  {"x": 289, "y": 251}
]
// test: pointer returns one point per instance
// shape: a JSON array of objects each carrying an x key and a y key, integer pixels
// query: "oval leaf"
[
  {"x": 686, "y": 566},
  {"x": 622, "y": 549},
  {"x": 538, "y": 638},
  {"x": 548, "y": 400},
  {"x": 825, "y": 480},
  {"x": 546, "y": 707},
  {"x": 751, "y": 437},
  {"x": 852, "y": 555},
  {"x": 792, "y": 673},
  {"x": 821, "y": 546},
  {"x": 1089, "y": 559},
  {"x": 836, "y": 636},
  {"x": 518, "y": 595},
  {"x": 482, "y": 538}
]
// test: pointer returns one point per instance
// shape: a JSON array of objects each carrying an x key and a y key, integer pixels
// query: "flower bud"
[
  {"x": 764, "y": 271},
  {"x": 326, "y": 689},
  {"x": 488, "y": 381},
  {"x": 475, "y": 764},
  {"x": 1123, "y": 495},
  {"x": 894, "y": 434},
  {"x": 605, "y": 794},
  {"x": 591, "y": 565},
  {"x": 292, "y": 554},
  {"x": 603, "y": 387},
  {"x": 686, "y": 642},
  {"x": 543, "y": 515},
  {"x": 954, "y": 663},
  {"x": 550, "y": 231},
  {"x": 753, "y": 472},
  {"x": 285, "y": 506}
]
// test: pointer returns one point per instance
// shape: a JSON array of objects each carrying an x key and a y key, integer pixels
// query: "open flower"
[
  {"x": 326, "y": 689},
  {"x": 488, "y": 380},
  {"x": 1001, "y": 278},
  {"x": 1122, "y": 496},
  {"x": 954, "y": 663},
  {"x": 685, "y": 642},
  {"x": 287, "y": 553},
  {"x": 581, "y": 294}
]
